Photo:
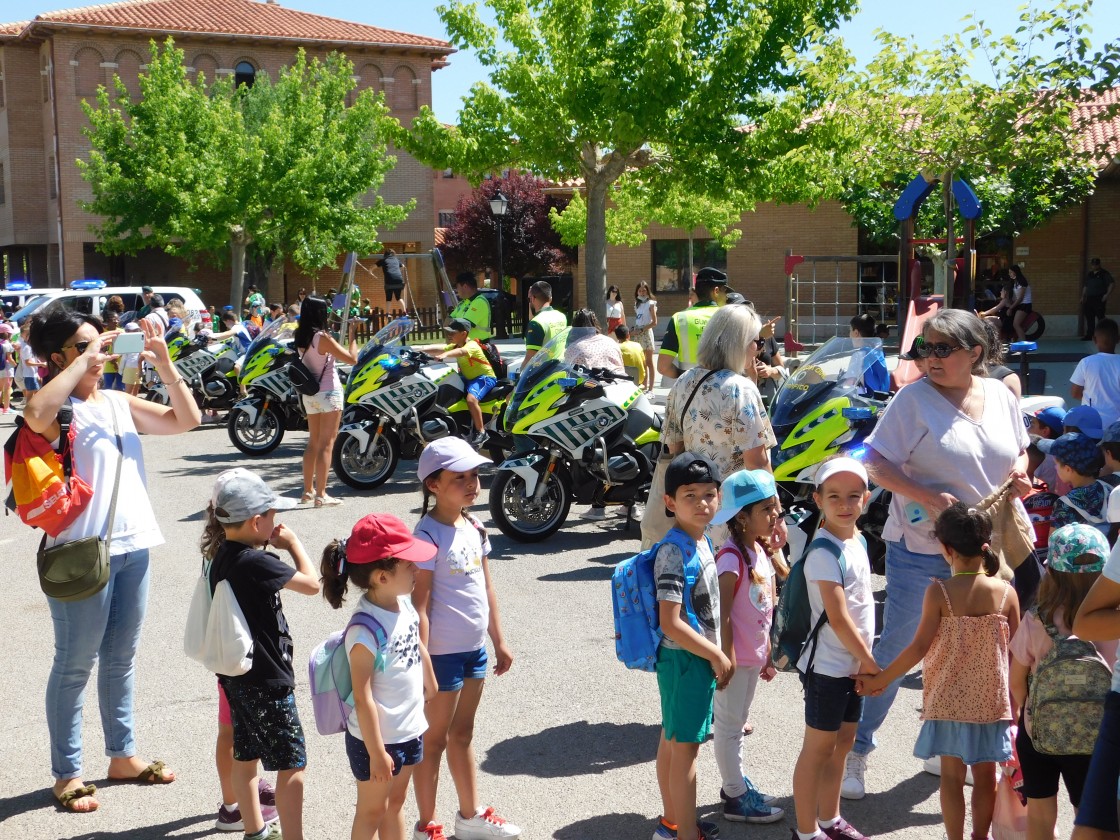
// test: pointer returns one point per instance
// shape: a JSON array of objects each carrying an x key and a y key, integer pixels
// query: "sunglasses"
[
  {"x": 80, "y": 346},
  {"x": 941, "y": 350}
]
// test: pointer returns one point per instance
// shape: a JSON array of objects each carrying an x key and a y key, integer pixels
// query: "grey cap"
[{"x": 239, "y": 495}]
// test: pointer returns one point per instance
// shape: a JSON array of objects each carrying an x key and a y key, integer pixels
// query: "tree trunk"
[
  {"x": 596, "y": 249},
  {"x": 950, "y": 238},
  {"x": 238, "y": 242},
  {"x": 691, "y": 265}
]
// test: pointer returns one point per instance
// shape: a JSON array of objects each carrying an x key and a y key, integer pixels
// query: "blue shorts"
[
  {"x": 30, "y": 383},
  {"x": 830, "y": 702},
  {"x": 452, "y": 668},
  {"x": 406, "y": 754},
  {"x": 480, "y": 387},
  {"x": 1098, "y": 799}
]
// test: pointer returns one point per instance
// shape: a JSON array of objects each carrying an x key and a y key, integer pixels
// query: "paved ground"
[{"x": 565, "y": 740}]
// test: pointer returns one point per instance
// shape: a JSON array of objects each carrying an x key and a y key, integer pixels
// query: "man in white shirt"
[{"x": 1096, "y": 381}]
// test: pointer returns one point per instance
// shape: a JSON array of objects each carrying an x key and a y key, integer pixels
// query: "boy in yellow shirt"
[
  {"x": 474, "y": 367},
  {"x": 633, "y": 356}
]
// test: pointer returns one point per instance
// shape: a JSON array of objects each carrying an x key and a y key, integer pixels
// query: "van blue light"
[{"x": 87, "y": 285}]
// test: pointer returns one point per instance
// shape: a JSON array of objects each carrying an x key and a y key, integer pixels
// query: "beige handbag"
[
  {"x": 79, "y": 569},
  {"x": 1012, "y": 534}
]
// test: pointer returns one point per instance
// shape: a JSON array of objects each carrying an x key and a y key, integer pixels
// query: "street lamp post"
[{"x": 499, "y": 205}]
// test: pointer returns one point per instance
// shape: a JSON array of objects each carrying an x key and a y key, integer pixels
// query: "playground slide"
[{"x": 920, "y": 309}]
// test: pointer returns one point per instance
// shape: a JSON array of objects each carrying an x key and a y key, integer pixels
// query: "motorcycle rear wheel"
[
  {"x": 364, "y": 472},
  {"x": 255, "y": 441},
  {"x": 517, "y": 517}
]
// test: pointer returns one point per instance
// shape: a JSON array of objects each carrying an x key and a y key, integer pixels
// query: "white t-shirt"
[
  {"x": 95, "y": 461},
  {"x": 1099, "y": 375},
  {"x": 6, "y": 350},
  {"x": 614, "y": 309},
  {"x": 398, "y": 674},
  {"x": 941, "y": 448},
  {"x": 644, "y": 312},
  {"x": 1112, "y": 572},
  {"x": 832, "y": 658},
  {"x": 26, "y": 368},
  {"x": 459, "y": 612}
]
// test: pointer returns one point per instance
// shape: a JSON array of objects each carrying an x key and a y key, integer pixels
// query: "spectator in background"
[
  {"x": 589, "y": 348},
  {"x": 7, "y": 367},
  {"x": 146, "y": 294},
  {"x": 157, "y": 314},
  {"x": 115, "y": 303},
  {"x": 27, "y": 371},
  {"x": 616, "y": 314},
  {"x": 546, "y": 321},
  {"x": 275, "y": 310},
  {"x": 645, "y": 319},
  {"x": 392, "y": 270},
  {"x": 1094, "y": 296},
  {"x": 633, "y": 357},
  {"x": 862, "y": 332},
  {"x": 1096, "y": 380}
]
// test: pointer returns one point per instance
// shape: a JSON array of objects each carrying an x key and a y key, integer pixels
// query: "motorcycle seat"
[{"x": 500, "y": 390}]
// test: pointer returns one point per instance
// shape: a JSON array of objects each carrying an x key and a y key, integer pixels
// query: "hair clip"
[{"x": 341, "y": 556}]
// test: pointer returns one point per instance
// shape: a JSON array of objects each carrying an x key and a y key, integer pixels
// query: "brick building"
[{"x": 50, "y": 64}]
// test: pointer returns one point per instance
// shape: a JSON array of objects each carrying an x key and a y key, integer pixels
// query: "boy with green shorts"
[{"x": 691, "y": 664}]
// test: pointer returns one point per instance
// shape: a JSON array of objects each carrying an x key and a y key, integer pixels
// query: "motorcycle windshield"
[
  {"x": 550, "y": 363},
  {"x": 839, "y": 367},
  {"x": 270, "y": 330},
  {"x": 389, "y": 339}
]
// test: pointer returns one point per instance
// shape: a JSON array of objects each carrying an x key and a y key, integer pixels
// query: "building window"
[
  {"x": 446, "y": 218},
  {"x": 52, "y": 178},
  {"x": 244, "y": 74},
  {"x": 88, "y": 73},
  {"x": 3, "y": 189},
  {"x": 670, "y": 262}
]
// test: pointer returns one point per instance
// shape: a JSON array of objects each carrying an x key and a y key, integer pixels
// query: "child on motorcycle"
[{"x": 474, "y": 367}]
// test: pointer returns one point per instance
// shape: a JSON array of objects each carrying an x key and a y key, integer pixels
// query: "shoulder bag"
[
  {"x": 302, "y": 379},
  {"x": 79, "y": 569},
  {"x": 655, "y": 522}
]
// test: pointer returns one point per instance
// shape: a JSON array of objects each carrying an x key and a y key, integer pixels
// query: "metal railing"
[{"x": 825, "y": 292}]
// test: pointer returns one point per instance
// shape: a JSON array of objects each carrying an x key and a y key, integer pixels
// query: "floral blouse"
[{"x": 725, "y": 419}]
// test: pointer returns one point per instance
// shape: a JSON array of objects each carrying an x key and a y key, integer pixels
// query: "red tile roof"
[
  {"x": 1100, "y": 130},
  {"x": 12, "y": 28},
  {"x": 246, "y": 18}
]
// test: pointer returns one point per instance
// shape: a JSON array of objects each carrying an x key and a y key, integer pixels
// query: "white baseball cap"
[{"x": 842, "y": 464}]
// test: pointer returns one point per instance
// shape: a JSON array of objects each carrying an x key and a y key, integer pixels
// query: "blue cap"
[
  {"x": 1087, "y": 420},
  {"x": 1051, "y": 418},
  {"x": 1078, "y": 452},
  {"x": 174, "y": 323},
  {"x": 743, "y": 488},
  {"x": 227, "y": 308},
  {"x": 1070, "y": 543}
]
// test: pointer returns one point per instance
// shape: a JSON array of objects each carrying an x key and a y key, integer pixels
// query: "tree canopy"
[
  {"x": 654, "y": 91},
  {"x": 199, "y": 166}
]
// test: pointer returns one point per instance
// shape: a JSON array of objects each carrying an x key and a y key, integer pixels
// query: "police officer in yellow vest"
[
  {"x": 546, "y": 320},
  {"x": 682, "y": 338},
  {"x": 472, "y": 306}
]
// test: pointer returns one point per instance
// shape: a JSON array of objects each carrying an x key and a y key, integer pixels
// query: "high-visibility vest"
[
  {"x": 475, "y": 309},
  {"x": 689, "y": 325},
  {"x": 551, "y": 322}
]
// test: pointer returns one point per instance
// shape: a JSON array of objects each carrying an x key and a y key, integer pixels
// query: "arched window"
[
  {"x": 205, "y": 65},
  {"x": 405, "y": 93},
  {"x": 88, "y": 73},
  {"x": 244, "y": 74},
  {"x": 128, "y": 68}
]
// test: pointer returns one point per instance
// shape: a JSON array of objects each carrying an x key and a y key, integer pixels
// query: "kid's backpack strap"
[
  {"x": 742, "y": 566},
  {"x": 364, "y": 619},
  {"x": 832, "y": 548}
]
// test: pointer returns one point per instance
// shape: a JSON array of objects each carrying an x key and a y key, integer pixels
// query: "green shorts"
[{"x": 688, "y": 687}]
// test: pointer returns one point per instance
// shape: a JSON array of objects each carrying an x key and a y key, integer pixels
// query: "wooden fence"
[{"x": 428, "y": 326}]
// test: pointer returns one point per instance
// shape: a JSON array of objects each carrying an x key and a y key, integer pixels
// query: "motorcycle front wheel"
[
  {"x": 364, "y": 472},
  {"x": 255, "y": 441},
  {"x": 519, "y": 517}
]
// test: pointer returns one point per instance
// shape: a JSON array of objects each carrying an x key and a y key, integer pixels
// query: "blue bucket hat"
[
  {"x": 743, "y": 488},
  {"x": 1077, "y": 451},
  {"x": 1087, "y": 420},
  {"x": 1070, "y": 542}
]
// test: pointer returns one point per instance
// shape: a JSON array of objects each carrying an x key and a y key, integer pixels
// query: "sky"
[{"x": 928, "y": 23}]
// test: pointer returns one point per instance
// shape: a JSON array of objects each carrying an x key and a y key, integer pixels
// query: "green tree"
[
  {"x": 201, "y": 167},
  {"x": 596, "y": 89},
  {"x": 1018, "y": 139}
]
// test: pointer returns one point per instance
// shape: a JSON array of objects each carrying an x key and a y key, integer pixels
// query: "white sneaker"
[
  {"x": 637, "y": 511},
  {"x": 594, "y": 514},
  {"x": 485, "y": 825},
  {"x": 855, "y": 765},
  {"x": 932, "y": 766},
  {"x": 432, "y": 831}
]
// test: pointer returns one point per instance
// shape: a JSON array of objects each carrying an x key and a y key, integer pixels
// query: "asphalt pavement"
[{"x": 565, "y": 740}]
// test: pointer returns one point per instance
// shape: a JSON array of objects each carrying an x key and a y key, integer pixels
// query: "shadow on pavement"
[
  {"x": 574, "y": 749},
  {"x": 35, "y": 800},
  {"x": 608, "y": 825},
  {"x": 873, "y": 816},
  {"x": 581, "y": 575}
]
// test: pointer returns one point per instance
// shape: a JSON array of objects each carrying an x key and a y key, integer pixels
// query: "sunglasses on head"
[{"x": 941, "y": 350}]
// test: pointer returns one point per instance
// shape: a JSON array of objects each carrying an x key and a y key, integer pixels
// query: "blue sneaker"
[
  {"x": 749, "y": 808},
  {"x": 766, "y": 798},
  {"x": 707, "y": 830}
]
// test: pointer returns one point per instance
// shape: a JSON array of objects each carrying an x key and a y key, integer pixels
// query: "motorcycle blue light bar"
[
  {"x": 857, "y": 452},
  {"x": 567, "y": 382},
  {"x": 389, "y": 363},
  {"x": 88, "y": 285},
  {"x": 1024, "y": 346}
]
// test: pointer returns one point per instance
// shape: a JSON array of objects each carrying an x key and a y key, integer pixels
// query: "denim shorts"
[
  {"x": 480, "y": 387},
  {"x": 830, "y": 702},
  {"x": 323, "y": 403},
  {"x": 30, "y": 383},
  {"x": 266, "y": 726},
  {"x": 1098, "y": 799},
  {"x": 406, "y": 754},
  {"x": 452, "y": 668}
]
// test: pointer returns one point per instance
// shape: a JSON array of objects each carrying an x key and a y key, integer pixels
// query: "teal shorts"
[{"x": 688, "y": 687}]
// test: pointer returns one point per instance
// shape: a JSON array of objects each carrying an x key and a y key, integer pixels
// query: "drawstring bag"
[{"x": 217, "y": 634}]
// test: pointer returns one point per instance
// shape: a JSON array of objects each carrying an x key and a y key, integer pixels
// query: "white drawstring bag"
[{"x": 217, "y": 634}]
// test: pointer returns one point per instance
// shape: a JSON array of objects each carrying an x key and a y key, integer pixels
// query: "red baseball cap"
[{"x": 380, "y": 536}]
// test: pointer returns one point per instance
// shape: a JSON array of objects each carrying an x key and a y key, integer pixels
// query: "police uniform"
[
  {"x": 543, "y": 327},
  {"x": 475, "y": 309},
  {"x": 682, "y": 338}
]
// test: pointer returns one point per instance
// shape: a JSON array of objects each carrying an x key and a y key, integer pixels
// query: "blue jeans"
[
  {"x": 106, "y": 627},
  {"x": 908, "y": 577}
]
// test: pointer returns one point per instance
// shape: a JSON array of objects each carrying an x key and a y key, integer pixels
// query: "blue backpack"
[
  {"x": 793, "y": 626},
  {"x": 637, "y": 627}
]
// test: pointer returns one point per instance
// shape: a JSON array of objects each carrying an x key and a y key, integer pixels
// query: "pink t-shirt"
[
  {"x": 1031, "y": 643},
  {"x": 752, "y": 610}
]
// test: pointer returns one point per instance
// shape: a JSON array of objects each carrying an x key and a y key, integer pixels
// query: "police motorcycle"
[
  {"x": 821, "y": 410},
  {"x": 397, "y": 399},
  {"x": 209, "y": 370},
  {"x": 595, "y": 438},
  {"x": 257, "y": 422}
]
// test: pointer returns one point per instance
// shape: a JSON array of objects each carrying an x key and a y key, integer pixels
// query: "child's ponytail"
[
  {"x": 991, "y": 560},
  {"x": 334, "y": 573},
  {"x": 968, "y": 531},
  {"x": 213, "y": 535},
  {"x": 739, "y": 537}
]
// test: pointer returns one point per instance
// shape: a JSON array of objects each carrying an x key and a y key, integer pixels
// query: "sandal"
[
  {"x": 326, "y": 501},
  {"x": 68, "y": 799},
  {"x": 153, "y": 774},
  {"x": 306, "y": 499}
]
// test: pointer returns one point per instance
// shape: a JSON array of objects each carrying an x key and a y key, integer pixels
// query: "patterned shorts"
[
  {"x": 645, "y": 339},
  {"x": 266, "y": 726}
]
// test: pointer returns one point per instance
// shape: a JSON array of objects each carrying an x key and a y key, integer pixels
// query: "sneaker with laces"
[
  {"x": 229, "y": 819},
  {"x": 594, "y": 514},
  {"x": 749, "y": 808},
  {"x": 855, "y": 766},
  {"x": 266, "y": 794},
  {"x": 432, "y": 831},
  {"x": 485, "y": 825},
  {"x": 637, "y": 511},
  {"x": 843, "y": 830},
  {"x": 271, "y": 832},
  {"x": 478, "y": 438}
]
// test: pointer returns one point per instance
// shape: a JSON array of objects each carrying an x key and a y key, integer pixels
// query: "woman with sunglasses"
[
  {"x": 954, "y": 435},
  {"x": 104, "y": 628}
]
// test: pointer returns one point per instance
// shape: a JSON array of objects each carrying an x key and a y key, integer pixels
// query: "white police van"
[{"x": 90, "y": 296}]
